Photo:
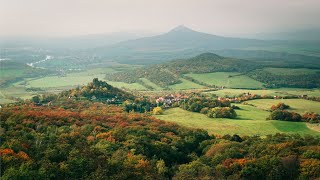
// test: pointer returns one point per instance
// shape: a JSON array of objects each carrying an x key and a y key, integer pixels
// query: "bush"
[
  {"x": 197, "y": 103},
  {"x": 235, "y": 107},
  {"x": 284, "y": 115},
  {"x": 204, "y": 110},
  {"x": 157, "y": 111},
  {"x": 279, "y": 106},
  {"x": 222, "y": 112},
  {"x": 311, "y": 117}
]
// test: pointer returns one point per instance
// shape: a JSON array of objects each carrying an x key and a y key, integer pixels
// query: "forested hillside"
[
  {"x": 84, "y": 140},
  {"x": 306, "y": 80},
  {"x": 88, "y": 133}
]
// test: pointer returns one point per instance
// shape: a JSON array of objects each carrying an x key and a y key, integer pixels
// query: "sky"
[{"x": 51, "y": 18}]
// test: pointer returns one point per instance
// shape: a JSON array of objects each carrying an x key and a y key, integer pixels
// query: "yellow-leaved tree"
[{"x": 157, "y": 111}]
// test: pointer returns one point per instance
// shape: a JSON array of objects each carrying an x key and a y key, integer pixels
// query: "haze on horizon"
[{"x": 51, "y": 18}]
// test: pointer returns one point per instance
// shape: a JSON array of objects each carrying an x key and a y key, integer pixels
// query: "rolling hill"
[{"x": 249, "y": 71}]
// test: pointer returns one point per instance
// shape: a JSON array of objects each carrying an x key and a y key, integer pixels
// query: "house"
[
  {"x": 159, "y": 100},
  {"x": 247, "y": 94}
]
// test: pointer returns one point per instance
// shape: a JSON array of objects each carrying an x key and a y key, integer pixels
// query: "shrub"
[
  {"x": 279, "y": 106},
  {"x": 157, "y": 111},
  {"x": 284, "y": 115},
  {"x": 204, "y": 110},
  {"x": 222, "y": 112},
  {"x": 311, "y": 117}
]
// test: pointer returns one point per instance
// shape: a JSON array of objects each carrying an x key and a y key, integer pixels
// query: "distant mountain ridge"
[
  {"x": 73, "y": 42},
  {"x": 183, "y": 42},
  {"x": 184, "y": 37},
  {"x": 180, "y": 42}
]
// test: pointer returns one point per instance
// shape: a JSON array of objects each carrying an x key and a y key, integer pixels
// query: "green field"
[
  {"x": 153, "y": 85},
  {"x": 73, "y": 79},
  {"x": 270, "y": 92},
  {"x": 6, "y": 94},
  {"x": 227, "y": 79},
  {"x": 78, "y": 79},
  {"x": 297, "y": 105},
  {"x": 186, "y": 84},
  {"x": 4, "y": 99},
  {"x": 99, "y": 71},
  {"x": 291, "y": 71},
  {"x": 54, "y": 84},
  {"x": 70, "y": 79},
  {"x": 10, "y": 73},
  {"x": 251, "y": 121},
  {"x": 133, "y": 86}
]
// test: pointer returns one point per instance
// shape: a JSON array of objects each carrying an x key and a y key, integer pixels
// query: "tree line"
[
  {"x": 212, "y": 107},
  {"x": 280, "y": 112}
]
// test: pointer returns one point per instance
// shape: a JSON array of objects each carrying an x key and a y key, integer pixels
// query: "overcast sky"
[{"x": 221, "y": 17}]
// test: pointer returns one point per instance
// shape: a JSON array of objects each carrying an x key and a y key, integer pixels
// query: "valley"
[
  {"x": 159, "y": 90},
  {"x": 251, "y": 118}
]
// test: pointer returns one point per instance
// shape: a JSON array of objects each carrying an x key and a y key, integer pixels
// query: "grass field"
[
  {"x": 291, "y": 71},
  {"x": 73, "y": 79},
  {"x": 186, "y": 84},
  {"x": 10, "y": 73},
  {"x": 6, "y": 101},
  {"x": 227, "y": 79},
  {"x": 271, "y": 92},
  {"x": 133, "y": 86},
  {"x": 153, "y": 85},
  {"x": 79, "y": 78},
  {"x": 98, "y": 71},
  {"x": 70, "y": 79},
  {"x": 6, "y": 94},
  {"x": 54, "y": 84},
  {"x": 297, "y": 105},
  {"x": 251, "y": 121}
]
